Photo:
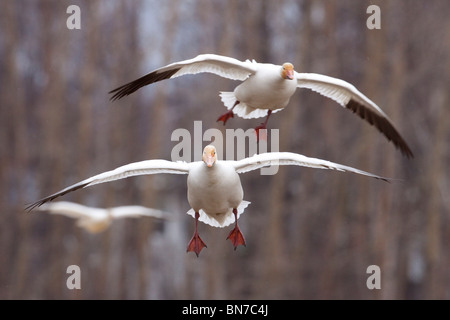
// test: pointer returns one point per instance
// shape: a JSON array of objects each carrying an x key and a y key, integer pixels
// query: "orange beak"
[
  {"x": 290, "y": 74},
  {"x": 209, "y": 160}
]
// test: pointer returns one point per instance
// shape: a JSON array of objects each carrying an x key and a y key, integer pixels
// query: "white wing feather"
[
  {"x": 129, "y": 170},
  {"x": 75, "y": 210},
  {"x": 136, "y": 211},
  {"x": 338, "y": 90},
  {"x": 349, "y": 97},
  {"x": 222, "y": 66},
  {"x": 72, "y": 210},
  {"x": 288, "y": 158},
  {"x": 140, "y": 168}
]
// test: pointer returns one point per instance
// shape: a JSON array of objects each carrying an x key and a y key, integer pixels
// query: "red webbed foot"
[
  {"x": 196, "y": 244},
  {"x": 225, "y": 117},
  {"x": 263, "y": 134},
  {"x": 236, "y": 237},
  {"x": 263, "y": 125}
]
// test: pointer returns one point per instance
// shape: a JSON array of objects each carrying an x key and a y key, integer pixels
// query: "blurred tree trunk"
[
  {"x": 119, "y": 139},
  {"x": 257, "y": 30},
  {"x": 436, "y": 169},
  {"x": 17, "y": 153},
  {"x": 52, "y": 115},
  {"x": 373, "y": 77},
  {"x": 300, "y": 244},
  {"x": 157, "y": 124},
  {"x": 435, "y": 289},
  {"x": 85, "y": 146},
  {"x": 337, "y": 199},
  {"x": 386, "y": 218}
]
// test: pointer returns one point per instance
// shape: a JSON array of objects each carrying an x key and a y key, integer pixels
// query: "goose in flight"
[
  {"x": 214, "y": 187},
  {"x": 267, "y": 88},
  {"x": 96, "y": 220}
]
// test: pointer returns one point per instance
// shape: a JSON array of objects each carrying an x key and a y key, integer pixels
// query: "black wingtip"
[
  {"x": 52, "y": 197},
  {"x": 408, "y": 153},
  {"x": 119, "y": 92},
  {"x": 383, "y": 125},
  {"x": 32, "y": 206},
  {"x": 135, "y": 85}
]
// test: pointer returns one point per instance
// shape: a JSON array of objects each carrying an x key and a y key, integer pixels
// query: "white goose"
[
  {"x": 96, "y": 220},
  {"x": 214, "y": 188},
  {"x": 267, "y": 88}
]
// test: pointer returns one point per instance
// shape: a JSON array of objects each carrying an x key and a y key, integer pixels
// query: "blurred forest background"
[{"x": 311, "y": 234}]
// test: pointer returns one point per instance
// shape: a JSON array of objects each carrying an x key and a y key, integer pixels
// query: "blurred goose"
[
  {"x": 214, "y": 188},
  {"x": 96, "y": 220},
  {"x": 267, "y": 88}
]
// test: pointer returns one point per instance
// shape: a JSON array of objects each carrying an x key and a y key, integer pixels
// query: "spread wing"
[
  {"x": 287, "y": 158},
  {"x": 137, "y": 211},
  {"x": 223, "y": 66},
  {"x": 72, "y": 210},
  {"x": 129, "y": 170},
  {"x": 76, "y": 210},
  {"x": 349, "y": 97}
]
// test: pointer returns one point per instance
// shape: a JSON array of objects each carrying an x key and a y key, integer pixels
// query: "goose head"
[
  {"x": 287, "y": 71},
  {"x": 209, "y": 155}
]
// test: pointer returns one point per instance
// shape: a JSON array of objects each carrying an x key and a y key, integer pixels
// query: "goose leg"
[
  {"x": 262, "y": 126},
  {"x": 227, "y": 115},
  {"x": 236, "y": 235},
  {"x": 196, "y": 244}
]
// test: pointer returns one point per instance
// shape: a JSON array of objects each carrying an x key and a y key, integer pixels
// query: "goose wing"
[
  {"x": 287, "y": 158},
  {"x": 72, "y": 210},
  {"x": 223, "y": 66},
  {"x": 132, "y": 169},
  {"x": 136, "y": 211},
  {"x": 351, "y": 98},
  {"x": 76, "y": 210}
]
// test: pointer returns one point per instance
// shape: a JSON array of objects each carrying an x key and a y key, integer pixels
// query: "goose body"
[
  {"x": 215, "y": 192},
  {"x": 267, "y": 88}
]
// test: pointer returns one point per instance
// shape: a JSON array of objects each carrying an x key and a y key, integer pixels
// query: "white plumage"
[
  {"x": 267, "y": 88},
  {"x": 214, "y": 187},
  {"x": 96, "y": 220}
]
